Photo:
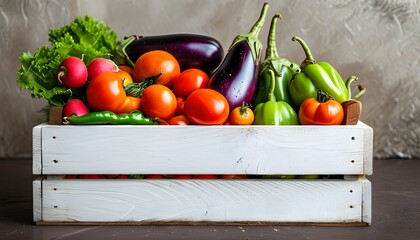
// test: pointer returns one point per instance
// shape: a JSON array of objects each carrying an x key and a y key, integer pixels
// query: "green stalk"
[
  {"x": 271, "y": 51},
  {"x": 271, "y": 96},
  {"x": 309, "y": 58},
  {"x": 252, "y": 36}
]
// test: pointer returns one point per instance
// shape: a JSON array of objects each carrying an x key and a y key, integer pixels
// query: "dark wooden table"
[{"x": 395, "y": 214}]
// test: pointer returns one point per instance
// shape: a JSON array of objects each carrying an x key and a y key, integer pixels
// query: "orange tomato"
[
  {"x": 156, "y": 62},
  {"x": 125, "y": 76},
  {"x": 204, "y": 176},
  {"x": 126, "y": 68},
  {"x": 179, "y": 106},
  {"x": 179, "y": 120},
  {"x": 242, "y": 115},
  {"x": 312, "y": 111},
  {"x": 130, "y": 104},
  {"x": 158, "y": 101},
  {"x": 105, "y": 92}
]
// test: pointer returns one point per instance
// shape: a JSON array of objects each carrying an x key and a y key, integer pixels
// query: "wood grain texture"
[
  {"x": 203, "y": 150},
  {"x": 37, "y": 150},
  {"x": 37, "y": 199},
  {"x": 322, "y": 201}
]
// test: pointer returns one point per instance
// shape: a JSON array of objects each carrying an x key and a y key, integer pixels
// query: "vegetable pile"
[{"x": 181, "y": 79}]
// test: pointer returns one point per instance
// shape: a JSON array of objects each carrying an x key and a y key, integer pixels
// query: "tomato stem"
[
  {"x": 136, "y": 89},
  {"x": 323, "y": 96}
]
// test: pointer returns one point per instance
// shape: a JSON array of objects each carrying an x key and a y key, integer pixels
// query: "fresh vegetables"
[
  {"x": 206, "y": 107},
  {"x": 318, "y": 76},
  {"x": 323, "y": 110},
  {"x": 237, "y": 77},
  {"x": 86, "y": 37},
  {"x": 283, "y": 70},
  {"x": 155, "y": 63},
  {"x": 274, "y": 112},
  {"x": 72, "y": 73},
  {"x": 178, "y": 79},
  {"x": 191, "y": 50},
  {"x": 108, "y": 117}
]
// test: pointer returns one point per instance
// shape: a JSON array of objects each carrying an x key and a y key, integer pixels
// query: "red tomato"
[
  {"x": 232, "y": 176},
  {"x": 206, "y": 107},
  {"x": 154, "y": 62},
  {"x": 91, "y": 176},
  {"x": 158, "y": 101},
  {"x": 179, "y": 120},
  {"x": 105, "y": 92},
  {"x": 179, "y": 106},
  {"x": 242, "y": 115},
  {"x": 319, "y": 111},
  {"x": 182, "y": 176},
  {"x": 204, "y": 176},
  {"x": 189, "y": 81},
  {"x": 125, "y": 76}
]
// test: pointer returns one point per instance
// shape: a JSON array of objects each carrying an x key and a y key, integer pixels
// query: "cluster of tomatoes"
[{"x": 176, "y": 97}]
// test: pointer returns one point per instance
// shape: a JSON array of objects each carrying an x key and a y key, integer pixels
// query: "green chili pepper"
[
  {"x": 274, "y": 112},
  {"x": 108, "y": 117},
  {"x": 283, "y": 70},
  {"x": 318, "y": 76}
]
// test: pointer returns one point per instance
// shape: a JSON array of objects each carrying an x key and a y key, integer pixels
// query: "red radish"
[
  {"x": 72, "y": 73},
  {"x": 75, "y": 107},
  {"x": 100, "y": 65}
]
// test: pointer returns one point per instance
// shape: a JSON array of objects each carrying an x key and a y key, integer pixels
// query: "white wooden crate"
[{"x": 253, "y": 150}]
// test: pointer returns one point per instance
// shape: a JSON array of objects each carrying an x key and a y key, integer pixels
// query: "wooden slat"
[
  {"x": 37, "y": 199},
  {"x": 125, "y": 201},
  {"x": 204, "y": 150},
  {"x": 37, "y": 149}
]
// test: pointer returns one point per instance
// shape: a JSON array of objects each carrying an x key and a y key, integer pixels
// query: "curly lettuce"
[{"x": 86, "y": 37}]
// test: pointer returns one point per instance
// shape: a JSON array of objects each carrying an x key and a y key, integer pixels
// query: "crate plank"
[
  {"x": 37, "y": 149},
  {"x": 204, "y": 150},
  {"x": 37, "y": 198},
  {"x": 321, "y": 201}
]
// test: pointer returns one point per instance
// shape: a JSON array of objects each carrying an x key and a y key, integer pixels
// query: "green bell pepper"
[
  {"x": 283, "y": 70},
  {"x": 274, "y": 112},
  {"x": 318, "y": 76}
]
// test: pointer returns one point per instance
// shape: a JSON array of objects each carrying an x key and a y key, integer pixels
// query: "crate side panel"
[
  {"x": 37, "y": 150},
  {"x": 201, "y": 150},
  {"x": 366, "y": 201},
  {"x": 201, "y": 200},
  {"x": 367, "y": 149},
  {"x": 37, "y": 199}
]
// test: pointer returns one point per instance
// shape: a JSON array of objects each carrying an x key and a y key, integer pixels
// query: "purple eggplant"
[
  {"x": 237, "y": 77},
  {"x": 191, "y": 50}
]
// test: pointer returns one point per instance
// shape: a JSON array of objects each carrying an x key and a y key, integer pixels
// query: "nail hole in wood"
[
  {"x": 55, "y": 207},
  {"x": 351, "y": 206},
  {"x": 55, "y": 189},
  {"x": 351, "y": 191},
  {"x": 353, "y": 138},
  {"x": 55, "y": 161},
  {"x": 54, "y": 137},
  {"x": 352, "y": 161}
]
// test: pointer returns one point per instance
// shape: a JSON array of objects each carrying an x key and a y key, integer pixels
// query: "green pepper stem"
[
  {"x": 309, "y": 58},
  {"x": 323, "y": 96},
  {"x": 271, "y": 96},
  {"x": 271, "y": 51},
  {"x": 362, "y": 91},
  {"x": 350, "y": 81}
]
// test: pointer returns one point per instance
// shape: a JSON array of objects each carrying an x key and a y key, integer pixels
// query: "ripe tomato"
[
  {"x": 125, "y": 76},
  {"x": 321, "y": 111},
  {"x": 189, "y": 81},
  {"x": 206, "y": 107},
  {"x": 126, "y": 68},
  {"x": 158, "y": 101},
  {"x": 179, "y": 120},
  {"x": 204, "y": 176},
  {"x": 155, "y": 62},
  {"x": 233, "y": 176},
  {"x": 154, "y": 176},
  {"x": 179, "y": 106},
  {"x": 105, "y": 92},
  {"x": 130, "y": 104},
  {"x": 242, "y": 115}
]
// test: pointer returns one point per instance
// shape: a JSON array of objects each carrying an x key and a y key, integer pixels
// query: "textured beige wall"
[{"x": 376, "y": 40}]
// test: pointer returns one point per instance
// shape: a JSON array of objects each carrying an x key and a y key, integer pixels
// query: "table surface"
[{"x": 395, "y": 212}]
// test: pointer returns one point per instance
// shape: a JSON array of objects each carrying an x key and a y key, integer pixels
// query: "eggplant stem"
[{"x": 256, "y": 28}]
